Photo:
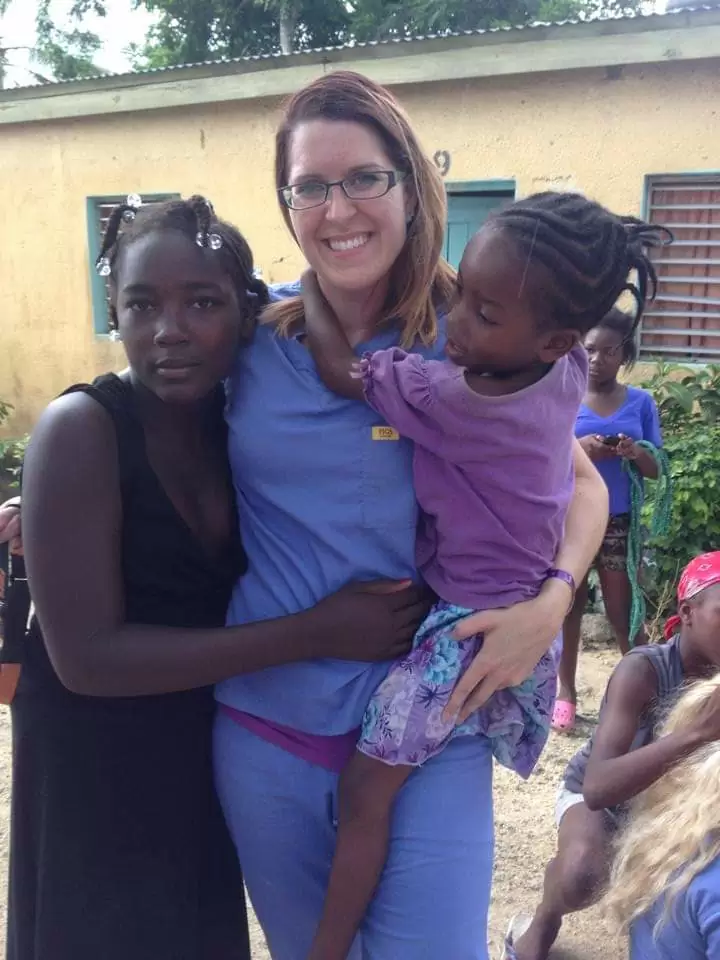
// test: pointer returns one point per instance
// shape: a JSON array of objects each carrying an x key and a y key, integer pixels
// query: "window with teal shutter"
[
  {"x": 98, "y": 213},
  {"x": 469, "y": 205}
]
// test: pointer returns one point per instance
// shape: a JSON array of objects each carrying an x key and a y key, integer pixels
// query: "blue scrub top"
[
  {"x": 693, "y": 931},
  {"x": 322, "y": 500}
]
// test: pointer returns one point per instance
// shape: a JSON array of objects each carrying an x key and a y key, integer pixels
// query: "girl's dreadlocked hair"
[
  {"x": 194, "y": 218},
  {"x": 589, "y": 252}
]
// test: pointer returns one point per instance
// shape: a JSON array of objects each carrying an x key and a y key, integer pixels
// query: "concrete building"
[{"x": 626, "y": 110}]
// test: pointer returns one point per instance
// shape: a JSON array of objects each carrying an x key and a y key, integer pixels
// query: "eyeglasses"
[{"x": 364, "y": 185}]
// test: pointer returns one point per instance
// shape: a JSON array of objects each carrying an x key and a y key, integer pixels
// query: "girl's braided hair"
[
  {"x": 589, "y": 252},
  {"x": 195, "y": 218}
]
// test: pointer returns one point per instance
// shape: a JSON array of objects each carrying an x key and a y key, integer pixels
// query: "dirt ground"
[{"x": 525, "y": 833}]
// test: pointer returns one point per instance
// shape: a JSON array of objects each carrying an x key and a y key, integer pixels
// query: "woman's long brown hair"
[{"x": 420, "y": 279}]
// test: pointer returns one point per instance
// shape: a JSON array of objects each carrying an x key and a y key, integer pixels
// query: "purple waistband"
[{"x": 332, "y": 753}]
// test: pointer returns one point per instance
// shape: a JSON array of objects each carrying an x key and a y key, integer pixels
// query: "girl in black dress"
[{"x": 119, "y": 851}]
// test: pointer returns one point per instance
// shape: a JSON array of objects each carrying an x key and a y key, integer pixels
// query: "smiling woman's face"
[{"x": 351, "y": 244}]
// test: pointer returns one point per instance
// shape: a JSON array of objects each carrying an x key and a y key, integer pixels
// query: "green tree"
[
  {"x": 4, "y": 51},
  {"x": 189, "y": 31},
  {"x": 69, "y": 52},
  {"x": 385, "y": 19}
]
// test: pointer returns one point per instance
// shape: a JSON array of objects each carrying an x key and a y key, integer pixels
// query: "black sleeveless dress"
[{"x": 118, "y": 846}]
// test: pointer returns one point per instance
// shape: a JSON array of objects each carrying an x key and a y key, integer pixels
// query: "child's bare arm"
[
  {"x": 329, "y": 346},
  {"x": 367, "y": 792},
  {"x": 614, "y": 773}
]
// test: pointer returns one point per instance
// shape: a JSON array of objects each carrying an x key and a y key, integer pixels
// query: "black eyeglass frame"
[{"x": 394, "y": 177}]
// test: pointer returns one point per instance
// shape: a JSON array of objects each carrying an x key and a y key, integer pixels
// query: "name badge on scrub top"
[{"x": 385, "y": 433}]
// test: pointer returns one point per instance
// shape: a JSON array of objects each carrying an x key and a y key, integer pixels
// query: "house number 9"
[{"x": 442, "y": 161}]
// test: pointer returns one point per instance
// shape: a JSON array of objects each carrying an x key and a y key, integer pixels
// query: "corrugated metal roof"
[{"x": 397, "y": 41}]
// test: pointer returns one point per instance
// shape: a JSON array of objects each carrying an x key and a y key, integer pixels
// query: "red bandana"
[{"x": 698, "y": 575}]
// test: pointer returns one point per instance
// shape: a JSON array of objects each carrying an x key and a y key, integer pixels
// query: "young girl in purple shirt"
[{"x": 493, "y": 434}]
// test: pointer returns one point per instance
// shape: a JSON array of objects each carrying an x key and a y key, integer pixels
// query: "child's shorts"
[
  {"x": 567, "y": 799},
  {"x": 564, "y": 801},
  {"x": 404, "y": 724}
]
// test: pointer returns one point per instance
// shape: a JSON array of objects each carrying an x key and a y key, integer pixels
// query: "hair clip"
[
  {"x": 212, "y": 240},
  {"x": 134, "y": 200},
  {"x": 103, "y": 267}
]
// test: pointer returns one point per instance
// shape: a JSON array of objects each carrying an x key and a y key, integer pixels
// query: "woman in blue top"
[
  {"x": 325, "y": 495},
  {"x": 612, "y": 419},
  {"x": 665, "y": 887}
]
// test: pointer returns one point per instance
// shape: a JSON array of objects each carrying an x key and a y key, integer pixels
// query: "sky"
[{"x": 122, "y": 26}]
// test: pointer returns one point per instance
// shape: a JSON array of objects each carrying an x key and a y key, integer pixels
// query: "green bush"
[
  {"x": 688, "y": 399},
  {"x": 11, "y": 457},
  {"x": 685, "y": 395}
]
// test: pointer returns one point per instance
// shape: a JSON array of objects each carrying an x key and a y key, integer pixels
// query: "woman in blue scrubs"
[{"x": 325, "y": 495}]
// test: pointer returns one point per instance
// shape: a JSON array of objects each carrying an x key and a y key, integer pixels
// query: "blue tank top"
[{"x": 665, "y": 660}]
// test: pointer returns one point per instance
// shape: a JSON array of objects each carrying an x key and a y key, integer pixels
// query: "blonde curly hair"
[
  {"x": 673, "y": 832},
  {"x": 420, "y": 279}
]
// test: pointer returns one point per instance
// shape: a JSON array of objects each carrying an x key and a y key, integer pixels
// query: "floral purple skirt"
[{"x": 403, "y": 723}]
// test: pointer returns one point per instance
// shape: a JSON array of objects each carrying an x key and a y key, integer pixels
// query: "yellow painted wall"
[{"x": 570, "y": 130}]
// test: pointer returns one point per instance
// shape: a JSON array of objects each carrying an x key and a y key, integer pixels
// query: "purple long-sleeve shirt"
[{"x": 493, "y": 475}]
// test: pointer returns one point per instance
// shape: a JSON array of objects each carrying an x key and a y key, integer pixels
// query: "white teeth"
[{"x": 351, "y": 244}]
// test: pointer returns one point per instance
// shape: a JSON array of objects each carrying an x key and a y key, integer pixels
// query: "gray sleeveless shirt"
[{"x": 665, "y": 660}]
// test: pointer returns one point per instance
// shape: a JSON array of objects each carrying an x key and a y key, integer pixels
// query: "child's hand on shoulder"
[
  {"x": 359, "y": 368},
  {"x": 311, "y": 292},
  {"x": 309, "y": 281}
]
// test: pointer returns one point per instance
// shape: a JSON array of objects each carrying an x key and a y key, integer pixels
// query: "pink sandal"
[{"x": 563, "y": 717}]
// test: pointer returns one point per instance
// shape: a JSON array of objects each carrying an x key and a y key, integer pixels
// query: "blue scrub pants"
[{"x": 434, "y": 894}]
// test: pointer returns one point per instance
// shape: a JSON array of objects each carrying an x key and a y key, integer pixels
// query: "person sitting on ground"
[
  {"x": 612, "y": 419},
  {"x": 665, "y": 884},
  {"x": 623, "y": 757}
]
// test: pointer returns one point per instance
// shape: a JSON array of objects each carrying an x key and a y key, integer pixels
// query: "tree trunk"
[{"x": 288, "y": 22}]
